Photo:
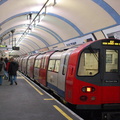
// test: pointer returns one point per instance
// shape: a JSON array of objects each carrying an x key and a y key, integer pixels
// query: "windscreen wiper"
[{"x": 93, "y": 52}]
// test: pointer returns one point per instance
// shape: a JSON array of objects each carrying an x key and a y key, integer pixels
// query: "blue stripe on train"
[{"x": 57, "y": 90}]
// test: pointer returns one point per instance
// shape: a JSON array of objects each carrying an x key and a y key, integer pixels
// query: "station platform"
[{"x": 27, "y": 101}]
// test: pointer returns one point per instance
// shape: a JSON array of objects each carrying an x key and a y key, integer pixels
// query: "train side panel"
[
  {"x": 57, "y": 71},
  {"x": 30, "y": 66},
  {"x": 41, "y": 66},
  {"x": 24, "y": 65},
  {"x": 44, "y": 68},
  {"x": 62, "y": 72},
  {"x": 53, "y": 69},
  {"x": 70, "y": 76},
  {"x": 37, "y": 68},
  {"x": 20, "y": 63}
]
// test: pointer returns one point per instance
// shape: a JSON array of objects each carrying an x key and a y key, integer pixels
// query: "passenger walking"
[
  {"x": 7, "y": 68},
  {"x": 13, "y": 67},
  {"x": 6, "y": 60},
  {"x": 6, "y": 72},
  {"x": 2, "y": 69}
]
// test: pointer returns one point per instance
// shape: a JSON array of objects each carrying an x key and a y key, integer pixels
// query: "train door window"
[
  {"x": 29, "y": 62},
  {"x": 111, "y": 60},
  {"x": 65, "y": 63},
  {"x": 45, "y": 61},
  {"x": 23, "y": 61},
  {"x": 57, "y": 65},
  {"x": 39, "y": 63},
  {"x": 28, "y": 65},
  {"x": 88, "y": 64},
  {"x": 36, "y": 62},
  {"x": 51, "y": 65}
]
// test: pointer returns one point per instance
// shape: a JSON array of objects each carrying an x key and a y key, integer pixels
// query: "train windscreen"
[{"x": 89, "y": 63}]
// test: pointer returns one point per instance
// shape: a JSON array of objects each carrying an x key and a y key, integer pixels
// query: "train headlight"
[{"x": 88, "y": 89}]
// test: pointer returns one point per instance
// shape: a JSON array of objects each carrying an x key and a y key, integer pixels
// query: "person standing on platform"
[
  {"x": 2, "y": 69},
  {"x": 12, "y": 70}
]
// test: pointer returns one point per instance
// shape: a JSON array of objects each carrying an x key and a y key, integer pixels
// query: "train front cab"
[{"x": 93, "y": 77}]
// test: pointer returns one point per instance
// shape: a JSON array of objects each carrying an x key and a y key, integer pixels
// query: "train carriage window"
[
  {"x": 57, "y": 65},
  {"x": 88, "y": 65},
  {"x": 37, "y": 63},
  {"x": 51, "y": 65},
  {"x": 111, "y": 60}
]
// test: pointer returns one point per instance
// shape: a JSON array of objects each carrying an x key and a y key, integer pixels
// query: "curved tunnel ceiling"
[{"x": 67, "y": 20}]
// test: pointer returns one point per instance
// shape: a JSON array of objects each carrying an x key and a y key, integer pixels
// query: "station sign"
[
  {"x": 9, "y": 47},
  {"x": 15, "y": 48},
  {"x": 79, "y": 40},
  {"x": 3, "y": 46}
]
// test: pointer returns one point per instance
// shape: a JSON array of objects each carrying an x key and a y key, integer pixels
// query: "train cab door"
[{"x": 110, "y": 74}]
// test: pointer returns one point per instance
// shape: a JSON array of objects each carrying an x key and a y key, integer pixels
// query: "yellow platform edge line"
[
  {"x": 62, "y": 112},
  {"x": 49, "y": 99},
  {"x": 33, "y": 86}
]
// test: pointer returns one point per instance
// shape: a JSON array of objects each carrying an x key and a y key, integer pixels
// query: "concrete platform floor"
[{"x": 26, "y": 101}]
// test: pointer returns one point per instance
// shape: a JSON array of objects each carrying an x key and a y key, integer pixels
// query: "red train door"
[{"x": 111, "y": 74}]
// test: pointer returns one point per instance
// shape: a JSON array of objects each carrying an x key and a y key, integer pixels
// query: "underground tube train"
[{"x": 87, "y": 76}]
